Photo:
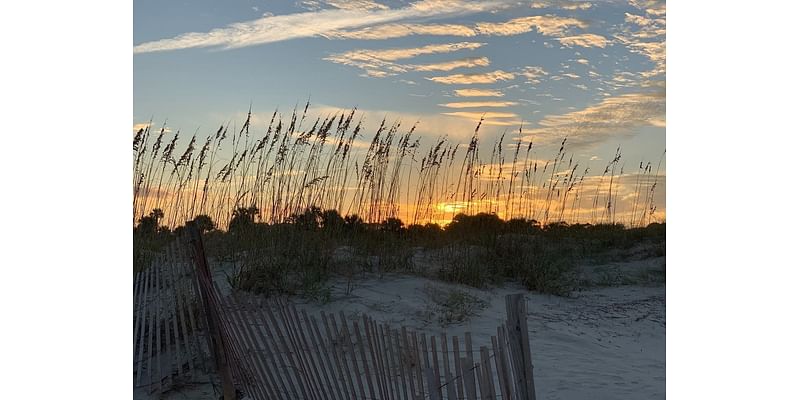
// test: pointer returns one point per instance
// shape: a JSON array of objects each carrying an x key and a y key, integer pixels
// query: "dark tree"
[
  {"x": 243, "y": 219},
  {"x": 204, "y": 223}
]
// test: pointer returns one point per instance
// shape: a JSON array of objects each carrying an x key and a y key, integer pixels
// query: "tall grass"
[{"x": 293, "y": 164}]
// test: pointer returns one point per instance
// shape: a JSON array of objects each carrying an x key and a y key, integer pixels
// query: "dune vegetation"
[{"x": 299, "y": 201}]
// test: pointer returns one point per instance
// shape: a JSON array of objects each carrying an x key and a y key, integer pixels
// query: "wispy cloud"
[
  {"x": 391, "y": 31},
  {"x": 646, "y": 34},
  {"x": 618, "y": 115},
  {"x": 315, "y": 23},
  {"x": 479, "y": 104},
  {"x": 465, "y": 79},
  {"x": 451, "y": 65},
  {"x": 477, "y": 93},
  {"x": 532, "y": 74},
  {"x": 343, "y": 4},
  {"x": 550, "y": 25},
  {"x": 584, "y": 40},
  {"x": 496, "y": 118},
  {"x": 563, "y": 5},
  {"x": 379, "y": 63}
]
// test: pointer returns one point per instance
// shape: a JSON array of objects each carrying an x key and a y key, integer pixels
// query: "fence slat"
[
  {"x": 159, "y": 295},
  {"x": 350, "y": 381},
  {"x": 469, "y": 378},
  {"x": 468, "y": 348},
  {"x": 304, "y": 349},
  {"x": 354, "y": 357},
  {"x": 319, "y": 346},
  {"x": 367, "y": 375},
  {"x": 238, "y": 313},
  {"x": 432, "y": 385},
  {"x": 487, "y": 373},
  {"x": 451, "y": 391},
  {"x": 436, "y": 387},
  {"x": 405, "y": 380},
  {"x": 292, "y": 363},
  {"x": 144, "y": 311},
  {"x": 396, "y": 377},
  {"x": 174, "y": 334},
  {"x": 292, "y": 334},
  {"x": 520, "y": 346},
  {"x": 459, "y": 380},
  {"x": 419, "y": 362},
  {"x": 382, "y": 361},
  {"x": 373, "y": 357},
  {"x": 326, "y": 368},
  {"x": 500, "y": 362},
  {"x": 263, "y": 341}
]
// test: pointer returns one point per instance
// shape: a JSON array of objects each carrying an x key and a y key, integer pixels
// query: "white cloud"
[
  {"x": 315, "y": 23},
  {"x": 355, "y": 4},
  {"x": 584, "y": 40},
  {"x": 489, "y": 118},
  {"x": 549, "y": 25},
  {"x": 477, "y": 93},
  {"x": 380, "y": 63},
  {"x": 390, "y": 31},
  {"x": 451, "y": 65},
  {"x": 479, "y": 104},
  {"x": 563, "y": 5},
  {"x": 533, "y": 74},
  {"x": 488, "y": 77},
  {"x": 614, "y": 116}
]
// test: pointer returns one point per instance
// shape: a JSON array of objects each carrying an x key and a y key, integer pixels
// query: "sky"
[{"x": 593, "y": 72}]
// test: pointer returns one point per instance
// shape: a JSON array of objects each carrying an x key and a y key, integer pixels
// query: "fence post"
[
  {"x": 517, "y": 323},
  {"x": 203, "y": 272}
]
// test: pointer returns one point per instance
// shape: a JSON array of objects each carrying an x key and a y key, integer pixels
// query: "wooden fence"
[{"x": 185, "y": 329}]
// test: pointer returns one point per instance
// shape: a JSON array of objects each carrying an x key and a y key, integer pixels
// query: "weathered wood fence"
[{"x": 185, "y": 330}]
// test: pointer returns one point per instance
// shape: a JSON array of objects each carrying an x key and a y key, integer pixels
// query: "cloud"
[
  {"x": 315, "y": 23},
  {"x": 477, "y": 93},
  {"x": 584, "y": 40},
  {"x": 391, "y": 31},
  {"x": 646, "y": 35},
  {"x": 533, "y": 74},
  {"x": 651, "y": 7},
  {"x": 451, "y": 65},
  {"x": 546, "y": 24},
  {"x": 144, "y": 125},
  {"x": 343, "y": 4},
  {"x": 380, "y": 63},
  {"x": 478, "y": 104},
  {"x": 488, "y": 77},
  {"x": 140, "y": 125},
  {"x": 549, "y": 25},
  {"x": 495, "y": 118},
  {"x": 614, "y": 116},
  {"x": 564, "y": 5},
  {"x": 577, "y": 6},
  {"x": 637, "y": 19}
]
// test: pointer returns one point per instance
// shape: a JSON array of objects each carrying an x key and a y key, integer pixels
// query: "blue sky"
[{"x": 591, "y": 71}]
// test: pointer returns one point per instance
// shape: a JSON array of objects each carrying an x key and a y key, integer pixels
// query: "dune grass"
[{"x": 280, "y": 204}]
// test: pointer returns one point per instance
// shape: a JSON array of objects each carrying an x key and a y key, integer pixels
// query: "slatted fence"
[{"x": 268, "y": 349}]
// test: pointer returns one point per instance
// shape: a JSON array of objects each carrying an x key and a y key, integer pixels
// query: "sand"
[{"x": 600, "y": 343}]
